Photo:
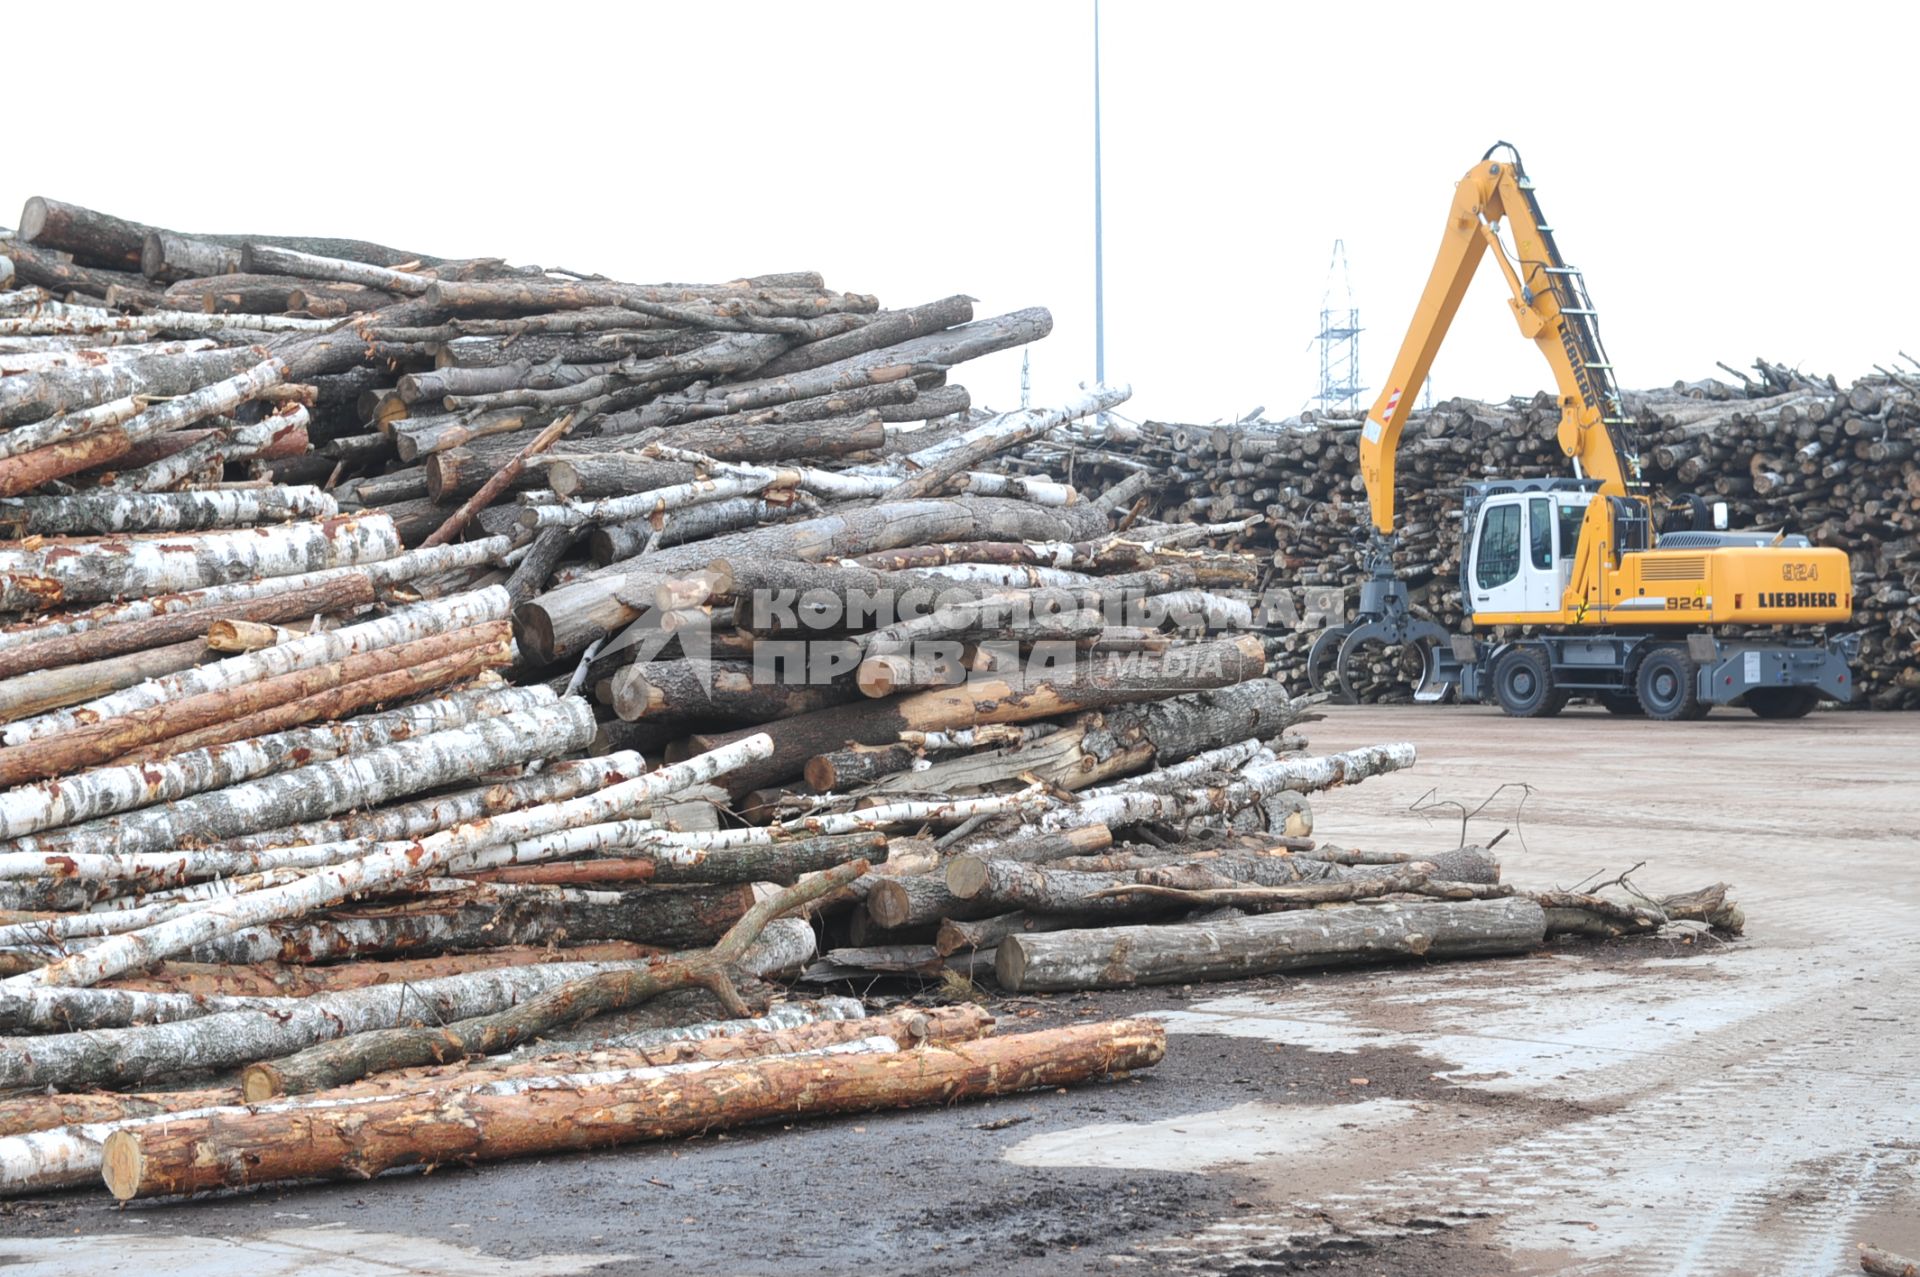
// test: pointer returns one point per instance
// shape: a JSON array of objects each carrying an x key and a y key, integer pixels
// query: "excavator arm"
[{"x": 1549, "y": 302}]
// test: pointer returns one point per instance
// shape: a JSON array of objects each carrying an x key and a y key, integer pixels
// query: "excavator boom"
[{"x": 1549, "y": 302}]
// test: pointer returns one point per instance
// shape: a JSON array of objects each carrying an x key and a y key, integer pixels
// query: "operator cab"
[{"x": 1523, "y": 535}]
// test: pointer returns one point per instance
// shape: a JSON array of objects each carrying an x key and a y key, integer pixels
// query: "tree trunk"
[
  {"x": 363, "y": 778},
  {"x": 717, "y": 690},
  {"x": 66, "y": 572},
  {"x": 167, "y": 257},
  {"x": 958, "y": 935},
  {"x": 1234, "y": 949},
  {"x": 391, "y": 865},
  {"x": 337, "y": 1063},
  {"x": 65, "y": 685},
  {"x": 1091, "y": 684},
  {"x": 563, "y": 622},
  {"x": 325, "y": 648},
  {"x": 998, "y": 886},
  {"x": 278, "y": 980},
  {"x": 269, "y": 259},
  {"x": 65, "y": 392},
  {"x": 106, "y": 792},
  {"x": 273, "y": 704},
  {"x": 425, "y": 666},
  {"x": 845, "y": 769},
  {"x": 117, "y": 513},
  {"x": 782, "y": 861},
  {"x": 233, "y": 1148},
  {"x": 1885, "y": 1263},
  {"x": 31, "y": 469}
]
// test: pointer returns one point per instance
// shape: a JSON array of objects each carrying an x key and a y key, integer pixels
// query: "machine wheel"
[
  {"x": 1523, "y": 684},
  {"x": 1625, "y": 704},
  {"x": 1669, "y": 687},
  {"x": 1782, "y": 702}
]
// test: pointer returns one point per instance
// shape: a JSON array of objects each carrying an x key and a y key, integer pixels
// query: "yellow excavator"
[{"x": 1610, "y": 611}]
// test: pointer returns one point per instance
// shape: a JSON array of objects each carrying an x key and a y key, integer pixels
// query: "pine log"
[
  {"x": 1884, "y": 1263},
  {"x": 1233, "y": 949},
  {"x": 179, "y": 1157},
  {"x": 47, "y": 689}
]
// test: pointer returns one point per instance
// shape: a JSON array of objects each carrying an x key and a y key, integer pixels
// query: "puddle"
[
  {"x": 284, "y": 1252},
  {"x": 1560, "y": 1025},
  {"x": 1246, "y": 1134}
]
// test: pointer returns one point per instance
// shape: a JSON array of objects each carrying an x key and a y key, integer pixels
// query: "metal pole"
[{"x": 1099, "y": 264}]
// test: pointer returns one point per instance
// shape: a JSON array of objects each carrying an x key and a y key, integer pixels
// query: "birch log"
[
  {"x": 287, "y": 700},
  {"x": 43, "y": 399},
  {"x": 68, "y": 572},
  {"x": 1129, "y": 805},
  {"x": 419, "y": 621},
  {"x": 123, "y": 512},
  {"x": 362, "y": 778},
  {"x": 382, "y": 868},
  {"x": 29, "y": 470},
  {"x": 117, "y": 628},
  {"x": 337, "y": 1063}
]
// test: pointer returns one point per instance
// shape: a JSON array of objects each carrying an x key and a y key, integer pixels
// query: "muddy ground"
[{"x": 1669, "y": 1106}]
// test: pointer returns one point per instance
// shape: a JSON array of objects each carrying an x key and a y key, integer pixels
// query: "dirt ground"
[{"x": 1667, "y": 1106}]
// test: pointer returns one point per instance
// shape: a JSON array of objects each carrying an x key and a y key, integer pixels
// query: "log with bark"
[{"x": 509, "y": 1120}]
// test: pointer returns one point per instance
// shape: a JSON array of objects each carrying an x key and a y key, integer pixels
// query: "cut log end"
[
  {"x": 967, "y": 876},
  {"x": 123, "y": 1165},
  {"x": 261, "y": 1082}
]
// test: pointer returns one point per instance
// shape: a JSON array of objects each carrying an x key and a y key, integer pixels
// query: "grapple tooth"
[{"x": 1323, "y": 660}]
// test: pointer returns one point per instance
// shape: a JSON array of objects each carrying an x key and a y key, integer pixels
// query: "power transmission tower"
[{"x": 1339, "y": 341}]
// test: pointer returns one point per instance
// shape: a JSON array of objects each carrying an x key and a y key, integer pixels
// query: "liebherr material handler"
[{"x": 1611, "y": 613}]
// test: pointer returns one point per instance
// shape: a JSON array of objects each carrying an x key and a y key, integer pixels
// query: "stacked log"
[
  {"x": 411, "y": 664},
  {"x": 1783, "y": 450}
]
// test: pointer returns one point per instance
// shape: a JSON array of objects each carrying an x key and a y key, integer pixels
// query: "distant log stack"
[{"x": 1781, "y": 449}]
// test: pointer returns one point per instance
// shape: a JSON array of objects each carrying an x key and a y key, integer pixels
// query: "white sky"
[{"x": 1735, "y": 179}]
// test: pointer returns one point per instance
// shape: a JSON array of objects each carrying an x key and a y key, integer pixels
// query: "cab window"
[
  {"x": 1499, "y": 559},
  {"x": 1571, "y": 517},
  {"x": 1540, "y": 531}
]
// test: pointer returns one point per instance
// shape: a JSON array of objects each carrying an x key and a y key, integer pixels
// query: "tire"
[
  {"x": 1668, "y": 686},
  {"x": 1625, "y": 704},
  {"x": 1523, "y": 684},
  {"x": 1782, "y": 702}
]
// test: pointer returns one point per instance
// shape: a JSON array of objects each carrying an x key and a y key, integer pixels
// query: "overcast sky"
[{"x": 1736, "y": 180}]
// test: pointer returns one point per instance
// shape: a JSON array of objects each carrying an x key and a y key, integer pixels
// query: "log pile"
[
  {"x": 1783, "y": 450},
  {"x": 419, "y": 675}
]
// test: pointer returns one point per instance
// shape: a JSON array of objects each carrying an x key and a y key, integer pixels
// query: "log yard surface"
[{"x": 1690, "y": 1103}]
